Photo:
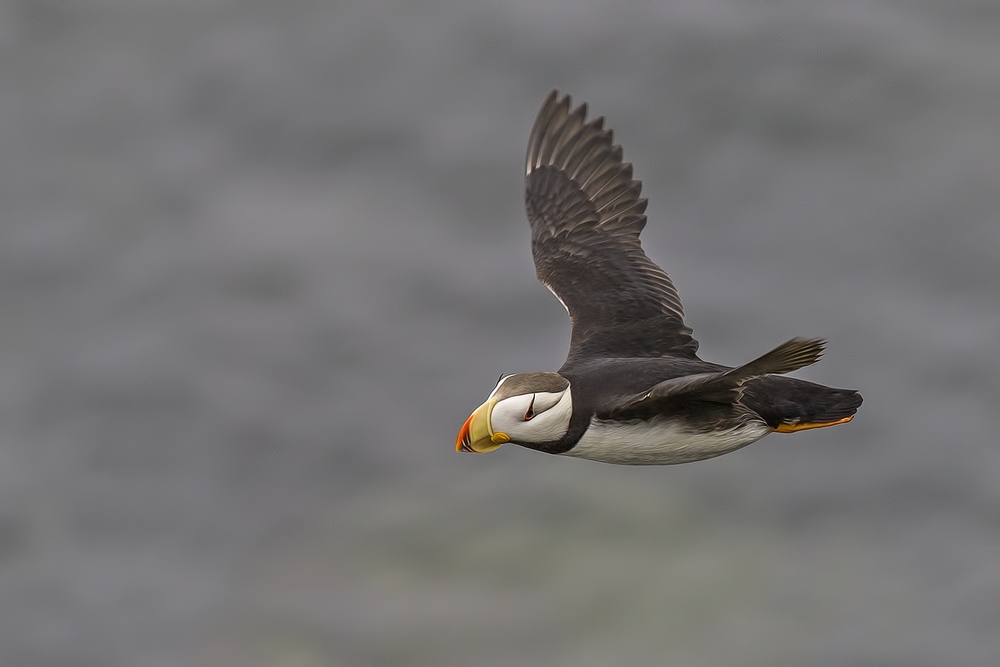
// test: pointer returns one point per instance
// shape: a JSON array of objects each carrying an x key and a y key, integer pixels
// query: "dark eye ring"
[{"x": 529, "y": 413}]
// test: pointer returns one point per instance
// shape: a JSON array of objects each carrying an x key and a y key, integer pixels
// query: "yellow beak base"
[{"x": 476, "y": 435}]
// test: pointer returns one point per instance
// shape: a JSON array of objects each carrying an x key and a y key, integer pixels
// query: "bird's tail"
[{"x": 789, "y": 404}]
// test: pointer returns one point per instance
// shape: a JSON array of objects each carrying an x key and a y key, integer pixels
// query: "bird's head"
[{"x": 523, "y": 409}]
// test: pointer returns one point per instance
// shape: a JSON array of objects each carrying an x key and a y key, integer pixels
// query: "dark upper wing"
[
  {"x": 721, "y": 386},
  {"x": 586, "y": 215}
]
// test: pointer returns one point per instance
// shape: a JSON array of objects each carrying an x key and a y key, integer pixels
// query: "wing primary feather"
[
  {"x": 569, "y": 132},
  {"x": 594, "y": 162},
  {"x": 628, "y": 190},
  {"x": 538, "y": 131},
  {"x": 583, "y": 152},
  {"x": 612, "y": 162},
  {"x": 552, "y": 136}
]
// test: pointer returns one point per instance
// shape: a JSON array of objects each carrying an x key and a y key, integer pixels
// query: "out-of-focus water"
[{"x": 260, "y": 262}]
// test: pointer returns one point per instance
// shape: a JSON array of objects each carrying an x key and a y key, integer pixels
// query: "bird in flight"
[{"x": 633, "y": 389}]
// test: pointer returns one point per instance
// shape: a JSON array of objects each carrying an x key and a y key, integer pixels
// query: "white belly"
[{"x": 660, "y": 442}]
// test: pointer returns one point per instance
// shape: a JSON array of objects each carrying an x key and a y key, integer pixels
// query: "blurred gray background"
[{"x": 260, "y": 261}]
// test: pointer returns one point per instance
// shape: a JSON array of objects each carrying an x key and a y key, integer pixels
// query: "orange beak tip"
[{"x": 464, "y": 441}]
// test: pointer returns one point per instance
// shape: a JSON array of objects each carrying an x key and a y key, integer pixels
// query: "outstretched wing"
[{"x": 586, "y": 215}]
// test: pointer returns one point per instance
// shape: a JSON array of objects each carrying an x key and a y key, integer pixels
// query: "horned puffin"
[{"x": 633, "y": 389}]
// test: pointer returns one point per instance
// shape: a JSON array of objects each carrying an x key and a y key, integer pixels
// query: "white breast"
[{"x": 660, "y": 442}]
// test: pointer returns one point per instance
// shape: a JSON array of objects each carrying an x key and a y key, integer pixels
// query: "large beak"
[{"x": 477, "y": 434}]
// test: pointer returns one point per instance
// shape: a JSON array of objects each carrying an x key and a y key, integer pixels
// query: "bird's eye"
[{"x": 530, "y": 412}]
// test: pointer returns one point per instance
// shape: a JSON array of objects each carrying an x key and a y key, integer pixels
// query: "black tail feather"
[{"x": 789, "y": 400}]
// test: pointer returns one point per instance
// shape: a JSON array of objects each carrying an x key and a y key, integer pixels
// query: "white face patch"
[
  {"x": 548, "y": 416},
  {"x": 660, "y": 442}
]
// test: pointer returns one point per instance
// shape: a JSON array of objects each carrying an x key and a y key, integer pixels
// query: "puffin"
[{"x": 633, "y": 389}]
